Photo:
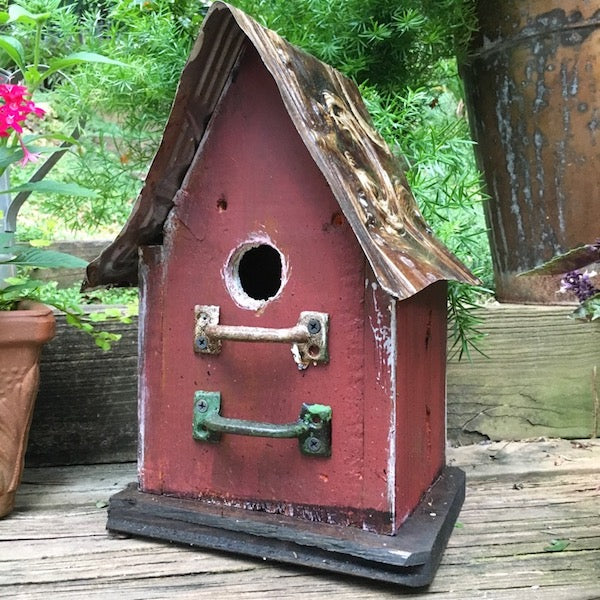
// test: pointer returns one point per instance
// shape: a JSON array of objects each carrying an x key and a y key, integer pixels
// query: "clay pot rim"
[
  {"x": 28, "y": 307},
  {"x": 32, "y": 323}
]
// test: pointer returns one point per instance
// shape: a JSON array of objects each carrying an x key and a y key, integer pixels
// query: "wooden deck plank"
[
  {"x": 55, "y": 543},
  {"x": 538, "y": 455}
]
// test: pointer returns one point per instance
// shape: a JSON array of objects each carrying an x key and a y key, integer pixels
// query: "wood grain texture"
[
  {"x": 540, "y": 377},
  {"x": 86, "y": 409},
  {"x": 55, "y": 543},
  {"x": 409, "y": 558}
]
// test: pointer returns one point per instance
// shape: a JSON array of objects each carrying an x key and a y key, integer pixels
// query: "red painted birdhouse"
[{"x": 292, "y": 323}]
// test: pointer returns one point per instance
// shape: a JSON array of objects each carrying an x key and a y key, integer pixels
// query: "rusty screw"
[
  {"x": 201, "y": 342},
  {"x": 314, "y": 326},
  {"x": 312, "y": 445}
]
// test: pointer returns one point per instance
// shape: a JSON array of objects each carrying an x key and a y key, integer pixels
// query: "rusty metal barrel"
[{"x": 532, "y": 83}]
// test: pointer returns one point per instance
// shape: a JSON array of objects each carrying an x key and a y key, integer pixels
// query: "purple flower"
[{"x": 579, "y": 284}]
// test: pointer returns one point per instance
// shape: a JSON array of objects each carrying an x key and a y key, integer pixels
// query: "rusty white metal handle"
[
  {"x": 308, "y": 337},
  {"x": 241, "y": 333}
]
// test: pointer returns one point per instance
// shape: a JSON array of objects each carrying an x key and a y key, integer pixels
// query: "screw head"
[
  {"x": 201, "y": 342},
  {"x": 202, "y": 406},
  {"x": 314, "y": 326},
  {"x": 312, "y": 445}
]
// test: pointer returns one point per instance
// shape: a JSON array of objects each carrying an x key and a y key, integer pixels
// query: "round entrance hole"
[
  {"x": 259, "y": 271},
  {"x": 255, "y": 274}
]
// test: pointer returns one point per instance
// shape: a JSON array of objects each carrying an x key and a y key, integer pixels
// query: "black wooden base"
[{"x": 409, "y": 558}]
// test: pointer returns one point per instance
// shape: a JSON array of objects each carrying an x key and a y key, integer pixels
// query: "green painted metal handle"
[
  {"x": 313, "y": 427},
  {"x": 220, "y": 424}
]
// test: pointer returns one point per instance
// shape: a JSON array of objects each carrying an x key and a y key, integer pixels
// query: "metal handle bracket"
[
  {"x": 308, "y": 337},
  {"x": 313, "y": 427}
]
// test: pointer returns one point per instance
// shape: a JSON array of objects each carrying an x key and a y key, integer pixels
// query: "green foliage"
[
  {"x": 21, "y": 255},
  {"x": 24, "y": 288},
  {"x": 29, "y": 58},
  {"x": 125, "y": 109},
  {"x": 103, "y": 163},
  {"x": 70, "y": 303},
  {"x": 51, "y": 187},
  {"x": 588, "y": 310},
  {"x": 464, "y": 318},
  {"x": 154, "y": 39},
  {"x": 15, "y": 289},
  {"x": 390, "y": 44},
  {"x": 35, "y": 63},
  {"x": 112, "y": 296}
]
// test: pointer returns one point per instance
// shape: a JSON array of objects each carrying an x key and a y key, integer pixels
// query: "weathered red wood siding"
[
  {"x": 256, "y": 180},
  {"x": 151, "y": 365},
  {"x": 421, "y": 394},
  {"x": 405, "y": 390}
]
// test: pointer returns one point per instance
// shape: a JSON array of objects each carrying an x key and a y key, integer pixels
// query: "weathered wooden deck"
[{"x": 521, "y": 498}]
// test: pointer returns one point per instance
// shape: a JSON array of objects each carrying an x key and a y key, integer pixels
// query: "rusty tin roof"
[{"x": 329, "y": 114}]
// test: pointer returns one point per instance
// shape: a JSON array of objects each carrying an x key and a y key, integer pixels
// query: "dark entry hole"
[{"x": 260, "y": 272}]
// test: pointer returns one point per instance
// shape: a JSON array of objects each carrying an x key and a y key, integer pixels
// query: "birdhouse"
[{"x": 292, "y": 323}]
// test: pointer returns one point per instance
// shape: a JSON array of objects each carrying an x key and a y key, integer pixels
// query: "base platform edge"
[{"x": 409, "y": 558}]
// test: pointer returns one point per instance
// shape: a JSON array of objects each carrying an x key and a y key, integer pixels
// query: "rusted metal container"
[{"x": 533, "y": 95}]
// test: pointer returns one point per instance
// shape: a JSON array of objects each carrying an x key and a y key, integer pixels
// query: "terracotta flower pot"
[{"x": 22, "y": 334}]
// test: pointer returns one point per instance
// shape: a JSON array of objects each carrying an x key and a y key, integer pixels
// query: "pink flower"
[
  {"x": 13, "y": 93},
  {"x": 10, "y": 119},
  {"x": 27, "y": 155},
  {"x": 15, "y": 110},
  {"x": 33, "y": 108}
]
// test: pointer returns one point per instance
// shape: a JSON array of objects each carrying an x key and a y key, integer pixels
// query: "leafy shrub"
[
  {"x": 122, "y": 109},
  {"x": 390, "y": 44}
]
